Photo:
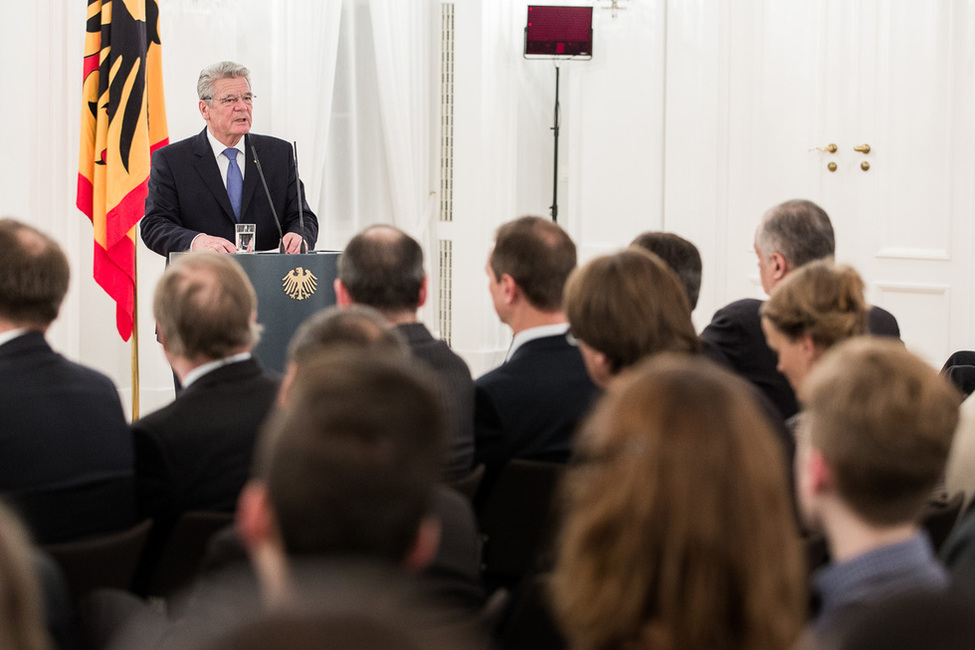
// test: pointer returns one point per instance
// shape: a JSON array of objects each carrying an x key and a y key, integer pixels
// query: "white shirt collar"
[
  {"x": 532, "y": 333},
  {"x": 10, "y": 335},
  {"x": 199, "y": 371}
]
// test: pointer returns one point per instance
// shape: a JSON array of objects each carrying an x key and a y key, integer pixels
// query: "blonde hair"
[
  {"x": 679, "y": 531},
  {"x": 21, "y": 609},
  {"x": 819, "y": 300}
]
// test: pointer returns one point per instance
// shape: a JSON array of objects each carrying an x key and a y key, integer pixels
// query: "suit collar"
[
  {"x": 230, "y": 372},
  {"x": 31, "y": 341}
]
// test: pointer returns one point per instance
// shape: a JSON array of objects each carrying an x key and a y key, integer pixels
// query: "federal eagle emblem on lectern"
[{"x": 299, "y": 283}]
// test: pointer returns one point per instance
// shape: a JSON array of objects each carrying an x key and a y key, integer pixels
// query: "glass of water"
[{"x": 245, "y": 237}]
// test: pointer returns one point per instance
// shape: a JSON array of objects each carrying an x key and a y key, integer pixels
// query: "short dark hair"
[
  {"x": 356, "y": 326},
  {"x": 538, "y": 255},
  {"x": 204, "y": 305},
  {"x": 34, "y": 275},
  {"x": 352, "y": 463},
  {"x": 800, "y": 230},
  {"x": 680, "y": 254},
  {"x": 382, "y": 267}
]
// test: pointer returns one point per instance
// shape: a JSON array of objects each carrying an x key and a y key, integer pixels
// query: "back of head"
[
  {"x": 800, "y": 230},
  {"x": 21, "y": 609},
  {"x": 382, "y": 267},
  {"x": 628, "y": 306},
  {"x": 680, "y": 255},
  {"x": 222, "y": 70},
  {"x": 352, "y": 463},
  {"x": 538, "y": 255},
  {"x": 883, "y": 420},
  {"x": 679, "y": 531},
  {"x": 33, "y": 275},
  {"x": 819, "y": 300},
  {"x": 205, "y": 306},
  {"x": 356, "y": 326}
]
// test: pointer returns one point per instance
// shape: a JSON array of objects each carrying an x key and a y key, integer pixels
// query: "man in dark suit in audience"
[
  {"x": 195, "y": 453},
  {"x": 65, "y": 450},
  {"x": 382, "y": 268},
  {"x": 530, "y": 405},
  {"x": 790, "y": 234},
  {"x": 871, "y": 448}
]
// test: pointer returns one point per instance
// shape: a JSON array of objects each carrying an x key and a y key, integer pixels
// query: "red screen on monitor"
[{"x": 556, "y": 32}]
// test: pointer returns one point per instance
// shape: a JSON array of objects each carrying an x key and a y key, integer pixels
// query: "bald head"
[{"x": 382, "y": 267}]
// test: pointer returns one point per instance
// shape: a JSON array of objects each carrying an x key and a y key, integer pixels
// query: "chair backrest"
[
  {"x": 939, "y": 518},
  {"x": 469, "y": 484},
  {"x": 518, "y": 518},
  {"x": 108, "y": 561},
  {"x": 185, "y": 549}
]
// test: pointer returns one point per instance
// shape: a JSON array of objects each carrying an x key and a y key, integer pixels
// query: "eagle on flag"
[{"x": 123, "y": 120}]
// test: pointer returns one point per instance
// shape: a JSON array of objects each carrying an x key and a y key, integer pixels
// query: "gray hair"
[
  {"x": 222, "y": 70},
  {"x": 799, "y": 230}
]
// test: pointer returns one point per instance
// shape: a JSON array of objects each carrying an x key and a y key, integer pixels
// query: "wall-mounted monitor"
[{"x": 558, "y": 32}]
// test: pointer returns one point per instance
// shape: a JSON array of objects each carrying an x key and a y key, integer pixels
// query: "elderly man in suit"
[
  {"x": 65, "y": 450},
  {"x": 790, "y": 234},
  {"x": 200, "y": 187}
]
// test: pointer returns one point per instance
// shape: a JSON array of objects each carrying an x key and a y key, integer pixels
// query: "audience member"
[
  {"x": 530, "y": 405},
  {"x": 872, "y": 445},
  {"x": 625, "y": 307},
  {"x": 680, "y": 255},
  {"x": 790, "y": 235},
  {"x": 195, "y": 453},
  {"x": 382, "y": 267},
  {"x": 679, "y": 532},
  {"x": 65, "y": 452},
  {"x": 21, "y": 605},
  {"x": 811, "y": 310},
  {"x": 456, "y": 567}
]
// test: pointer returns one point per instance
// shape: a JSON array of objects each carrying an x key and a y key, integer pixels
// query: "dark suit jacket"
[
  {"x": 195, "y": 453},
  {"x": 736, "y": 332},
  {"x": 529, "y": 406},
  {"x": 187, "y": 196},
  {"x": 65, "y": 451},
  {"x": 456, "y": 390}
]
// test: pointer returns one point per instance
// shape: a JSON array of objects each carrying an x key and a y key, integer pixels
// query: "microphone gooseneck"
[{"x": 267, "y": 192}]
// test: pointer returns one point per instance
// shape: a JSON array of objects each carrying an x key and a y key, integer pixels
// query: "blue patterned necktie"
[{"x": 235, "y": 181}]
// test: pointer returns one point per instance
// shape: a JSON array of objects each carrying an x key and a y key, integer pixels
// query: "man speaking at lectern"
[{"x": 201, "y": 187}]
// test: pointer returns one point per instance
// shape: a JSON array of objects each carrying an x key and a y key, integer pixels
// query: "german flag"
[{"x": 123, "y": 120}]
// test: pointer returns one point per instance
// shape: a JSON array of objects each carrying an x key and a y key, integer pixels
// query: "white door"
[{"x": 894, "y": 75}]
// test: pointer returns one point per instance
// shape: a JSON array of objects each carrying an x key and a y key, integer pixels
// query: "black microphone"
[
  {"x": 301, "y": 212},
  {"x": 274, "y": 213}
]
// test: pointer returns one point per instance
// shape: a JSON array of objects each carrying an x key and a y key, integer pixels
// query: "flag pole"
[{"x": 135, "y": 334}]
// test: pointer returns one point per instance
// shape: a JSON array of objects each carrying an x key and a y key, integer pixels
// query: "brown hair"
[
  {"x": 356, "y": 326},
  {"x": 819, "y": 300},
  {"x": 883, "y": 420},
  {"x": 679, "y": 530},
  {"x": 204, "y": 306},
  {"x": 351, "y": 464},
  {"x": 33, "y": 275},
  {"x": 21, "y": 608},
  {"x": 383, "y": 267},
  {"x": 538, "y": 255},
  {"x": 628, "y": 306}
]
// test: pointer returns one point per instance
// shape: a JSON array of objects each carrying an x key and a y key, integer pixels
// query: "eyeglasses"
[{"x": 231, "y": 100}]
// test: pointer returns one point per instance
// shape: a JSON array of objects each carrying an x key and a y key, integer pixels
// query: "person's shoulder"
[
  {"x": 268, "y": 143},
  {"x": 740, "y": 308},
  {"x": 180, "y": 146}
]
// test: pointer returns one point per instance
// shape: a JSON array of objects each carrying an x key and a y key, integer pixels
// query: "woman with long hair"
[{"x": 678, "y": 532}]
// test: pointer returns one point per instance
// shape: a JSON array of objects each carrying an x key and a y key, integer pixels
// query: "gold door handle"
[
  {"x": 863, "y": 148},
  {"x": 865, "y": 166},
  {"x": 831, "y": 166},
  {"x": 830, "y": 148}
]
